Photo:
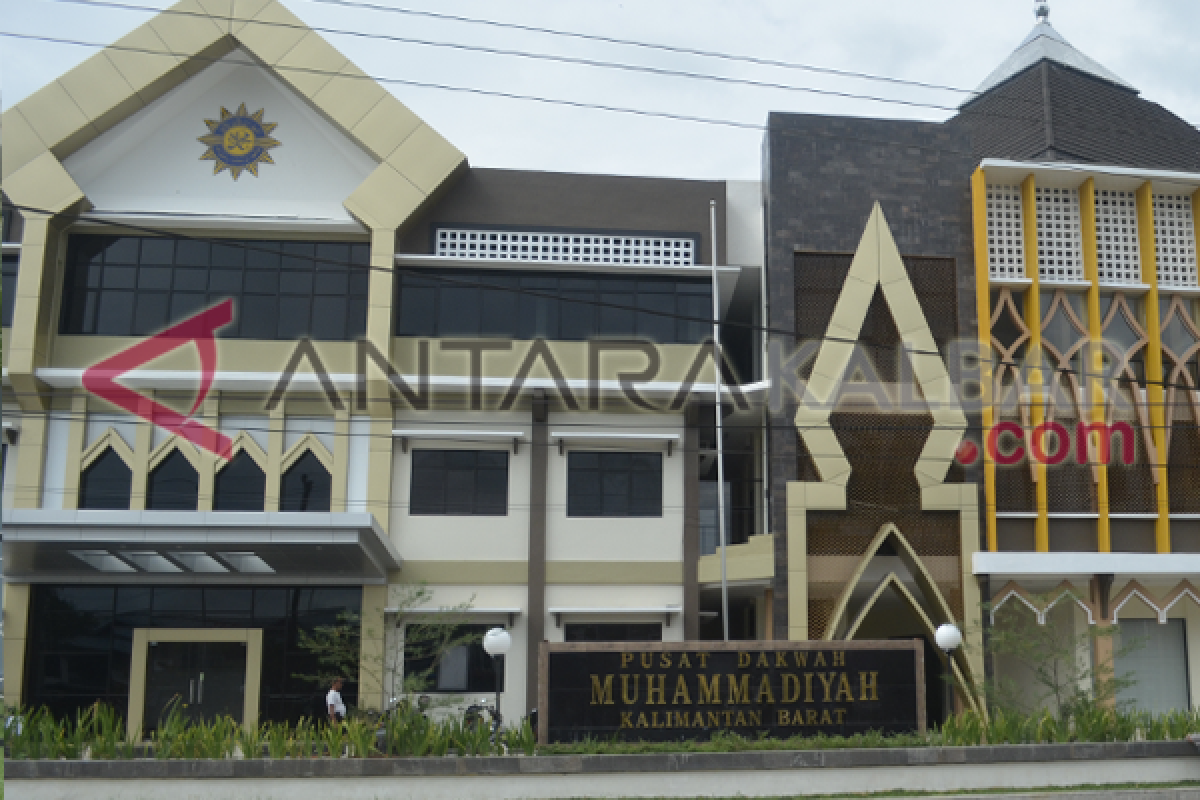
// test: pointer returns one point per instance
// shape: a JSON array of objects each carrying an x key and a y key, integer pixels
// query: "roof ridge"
[{"x": 1045, "y": 43}]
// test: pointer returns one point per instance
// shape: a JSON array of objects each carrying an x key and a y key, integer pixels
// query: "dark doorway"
[{"x": 206, "y": 679}]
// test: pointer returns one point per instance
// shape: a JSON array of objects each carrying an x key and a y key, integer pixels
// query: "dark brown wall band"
[{"x": 539, "y": 455}]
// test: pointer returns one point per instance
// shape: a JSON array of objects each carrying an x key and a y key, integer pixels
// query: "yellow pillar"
[
  {"x": 1155, "y": 396},
  {"x": 1036, "y": 382},
  {"x": 16, "y": 626},
  {"x": 1094, "y": 363},
  {"x": 983, "y": 306}
]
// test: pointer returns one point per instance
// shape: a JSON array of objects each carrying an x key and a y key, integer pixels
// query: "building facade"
[
  {"x": 275, "y": 355},
  {"x": 1054, "y": 211}
]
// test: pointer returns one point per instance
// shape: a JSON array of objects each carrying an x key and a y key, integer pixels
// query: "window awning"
[
  {"x": 173, "y": 547},
  {"x": 664, "y": 611},
  {"x": 614, "y": 440},
  {"x": 511, "y": 613},
  {"x": 457, "y": 434}
]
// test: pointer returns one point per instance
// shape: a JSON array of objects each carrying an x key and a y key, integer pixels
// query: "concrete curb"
[{"x": 754, "y": 760}]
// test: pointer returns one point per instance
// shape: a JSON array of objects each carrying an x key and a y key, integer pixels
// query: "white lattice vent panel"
[
  {"x": 1117, "y": 237},
  {"x": 1060, "y": 235},
  {"x": 576, "y": 248},
  {"x": 1006, "y": 247},
  {"x": 1175, "y": 240}
]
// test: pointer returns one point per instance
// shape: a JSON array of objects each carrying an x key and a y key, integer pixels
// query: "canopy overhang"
[{"x": 196, "y": 547}]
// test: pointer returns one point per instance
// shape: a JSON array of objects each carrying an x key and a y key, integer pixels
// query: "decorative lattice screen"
[
  {"x": 1060, "y": 236},
  {"x": 1006, "y": 248},
  {"x": 565, "y": 247},
  {"x": 1117, "y": 237},
  {"x": 1175, "y": 240}
]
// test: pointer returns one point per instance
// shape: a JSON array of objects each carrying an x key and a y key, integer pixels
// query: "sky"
[{"x": 1151, "y": 44}]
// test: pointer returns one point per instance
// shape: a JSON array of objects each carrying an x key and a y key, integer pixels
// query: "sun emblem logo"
[{"x": 238, "y": 141}]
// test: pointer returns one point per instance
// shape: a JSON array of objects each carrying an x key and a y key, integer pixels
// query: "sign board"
[{"x": 657, "y": 691}]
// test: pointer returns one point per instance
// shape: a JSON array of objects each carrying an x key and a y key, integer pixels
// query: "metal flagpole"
[{"x": 723, "y": 533}]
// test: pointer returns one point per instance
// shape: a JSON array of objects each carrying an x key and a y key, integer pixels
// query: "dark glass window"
[
  {"x": 552, "y": 305},
  {"x": 306, "y": 485},
  {"x": 106, "y": 483},
  {"x": 459, "y": 482},
  {"x": 135, "y": 286},
  {"x": 174, "y": 485},
  {"x": 614, "y": 484},
  {"x": 466, "y": 668},
  {"x": 613, "y": 632},
  {"x": 80, "y": 638},
  {"x": 241, "y": 485},
  {"x": 10, "y": 287}
]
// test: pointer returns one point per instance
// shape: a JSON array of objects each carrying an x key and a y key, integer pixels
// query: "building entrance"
[
  {"x": 209, "y": 672},
  {"x": 206, "y": 679}
]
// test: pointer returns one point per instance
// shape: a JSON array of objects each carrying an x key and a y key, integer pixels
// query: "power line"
[
  {"x": 416, "y": 84},
  {"x": 572, "y": 60},
  {"x": 758, "y": 61},
  {"x": 533, "y": 98},
  {"x": 537, "y": 98}
]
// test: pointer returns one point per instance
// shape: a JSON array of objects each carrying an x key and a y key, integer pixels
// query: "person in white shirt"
[{"x": 333, "y": 701}]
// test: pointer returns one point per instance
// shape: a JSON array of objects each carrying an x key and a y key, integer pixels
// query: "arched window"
[
  {"x": 241, "y": 485},
  {"x": 106, "y": 483},
  {"x": 306, "y": 486},
  {"x": 174, "y": 485}
]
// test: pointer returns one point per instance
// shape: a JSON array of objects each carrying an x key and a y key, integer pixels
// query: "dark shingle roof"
[{"x": 1053, "y": 112}]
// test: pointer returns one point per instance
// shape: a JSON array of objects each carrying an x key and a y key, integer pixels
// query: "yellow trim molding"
[{"x": 983, "y": 306}]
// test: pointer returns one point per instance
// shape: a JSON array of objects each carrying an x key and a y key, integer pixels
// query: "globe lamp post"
[
  {"x": 496, "y": 643},
  {"x": 949, "y": 638}
]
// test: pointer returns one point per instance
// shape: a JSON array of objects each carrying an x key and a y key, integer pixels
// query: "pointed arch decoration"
[
  {"x": 1011, "y": 362},
  {"x": 245, "y": 443},
  {"x": 1123, "y": 358},
  {"x": 893, "y": 582},
  {"x": 185, "y": 448},
  {"x": 877, "y": 264},
  {"x": 1180, "y": 375},
  {"x": 841, "y": 627},
  {"x": 1160, "y": 606},
  {"x": 307, "y": 443},
  {"x": 1066, "y": 589},
  {"x": 109, "y": 439}
]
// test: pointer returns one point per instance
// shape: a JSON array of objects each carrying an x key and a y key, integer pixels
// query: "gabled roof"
[
  {"x": 1044, "y": 42},
  {"x": 49, "y": 125}
]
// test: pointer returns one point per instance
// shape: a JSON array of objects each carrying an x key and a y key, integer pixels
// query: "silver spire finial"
[{"x": 1041, "y": 10}]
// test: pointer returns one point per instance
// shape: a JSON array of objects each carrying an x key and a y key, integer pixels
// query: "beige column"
[
  {"x": 16, "y": 625},
  {"x": 380, "y": 291},
  {"x": 76, "y": 442},
  {"x": 30, "y": 324},
  {"x": 210, "y": 414},
  {"x": 380, "y": 294},
  {"x": 274, "y": 466},
  {"x": 30, "y": 462},
  {"x": 371, "y": 656}
]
